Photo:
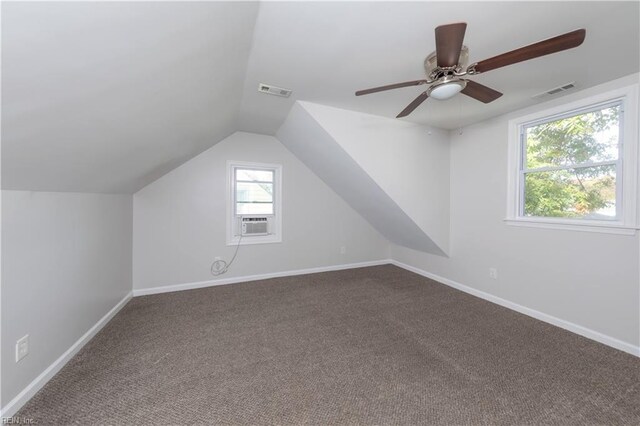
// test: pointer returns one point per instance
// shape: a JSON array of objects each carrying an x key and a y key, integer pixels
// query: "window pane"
[
  {"x": 254, "y": 175},
  {"x": 254, "y": 198},
  {"x": 583, "y": 193},
  {"x": 583, "y": 138},
  {"x": 248, "y": 208},
  {"x": 252, "y": 192}
]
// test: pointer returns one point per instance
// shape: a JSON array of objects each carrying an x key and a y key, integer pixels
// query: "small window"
[
  {"x": 575, "y": 166},
  {"x": 254, "y": 203},
  {"x": 254, "y": 191}
]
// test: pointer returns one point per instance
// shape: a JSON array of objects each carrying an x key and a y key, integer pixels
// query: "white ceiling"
[
  {"x": 109, "y": 96},
  {"x": 106, "y": 97},
  {"x": 327, "y": 51}
]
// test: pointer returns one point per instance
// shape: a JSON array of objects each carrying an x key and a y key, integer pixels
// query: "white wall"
[
  {"x": 303, "y": 135},
  {"x": 589, "y": 279},
  {"x": 409, "y": 161},
  {"x": 66, "y": 262},
  {"x": 180, "y": 220}
]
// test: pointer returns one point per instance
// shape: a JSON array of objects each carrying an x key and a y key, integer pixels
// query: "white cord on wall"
[{"x": 219, "y": 267}]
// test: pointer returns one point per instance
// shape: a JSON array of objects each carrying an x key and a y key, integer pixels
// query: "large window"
[
  {"x": 576, "y": 165},
  {"x": 254, "y": 214},
  {"x": 570, "y": 164}
]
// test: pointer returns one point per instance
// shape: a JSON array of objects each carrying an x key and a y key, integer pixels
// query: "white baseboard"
[
  {"x": 574, "y": 328},
  {"x": 234, "y": 280},
  {"x": 27, "y": 393}
]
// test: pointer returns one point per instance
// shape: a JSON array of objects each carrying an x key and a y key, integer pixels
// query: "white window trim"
[
  {"x": 627, "y": 220},
  {"x": 276, "y": 236}
]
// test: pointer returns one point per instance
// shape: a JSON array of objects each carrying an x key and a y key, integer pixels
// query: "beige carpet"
[{"x": 375, "y": 345}]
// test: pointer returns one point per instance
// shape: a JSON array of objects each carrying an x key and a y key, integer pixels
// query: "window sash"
[
  {"x": 603, "y": 218},
  {"x": 252, "y": 202},
  {"x": 254, "y": 181},
  {"x": 260, "y": 206},
  {"x": 236, "y": 202},
  {"x": 575, "y": 112},
  {"x": 571, "y": 166},
  {"x": 254, "y": 169},
  {"x": 523, "y": 171}
]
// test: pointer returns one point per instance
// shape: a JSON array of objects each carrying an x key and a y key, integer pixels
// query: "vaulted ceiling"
[{"x": 108, "y": 96}]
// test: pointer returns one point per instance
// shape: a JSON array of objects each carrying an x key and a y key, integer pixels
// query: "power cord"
[{"x": 220, "y": 266}]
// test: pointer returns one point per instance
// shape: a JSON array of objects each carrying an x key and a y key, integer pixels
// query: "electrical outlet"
[
  {"x": 22, "y": 347},
  {"x": 343, "y": 250},
  {"x": 493, "y": 273}
]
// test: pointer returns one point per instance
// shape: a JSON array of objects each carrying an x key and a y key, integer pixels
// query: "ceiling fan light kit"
[
  {"x": 446, "y": 89},
  {"x": 448, "y": 64}
]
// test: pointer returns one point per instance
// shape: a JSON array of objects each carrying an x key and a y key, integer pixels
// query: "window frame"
[
  {"x": 232, "y": 216},
  {"x": 626, "y": 221},
  {"x": 235, "y": 190}
]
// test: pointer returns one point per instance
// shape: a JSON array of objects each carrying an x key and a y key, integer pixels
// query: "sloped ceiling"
[
  {"x": 108, "y": 96},
  {"x": 393, "y": 153}
]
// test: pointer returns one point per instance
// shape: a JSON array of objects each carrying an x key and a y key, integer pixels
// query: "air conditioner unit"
[{"x": 250, "y": 226}]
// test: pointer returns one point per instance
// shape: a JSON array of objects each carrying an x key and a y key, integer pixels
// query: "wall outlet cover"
[
  {"x": 493, "y": 273},
  {"x": 22, "y": 347}
]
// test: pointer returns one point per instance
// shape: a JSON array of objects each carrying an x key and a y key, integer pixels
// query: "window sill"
[
  {"x": 572, "y": 225},
  {"x": 263, "y": 239}
]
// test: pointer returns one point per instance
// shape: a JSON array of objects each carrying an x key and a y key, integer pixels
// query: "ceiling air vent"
[
  {"x": 556, "y": 90},
  {"x": 273, "y": 90}
]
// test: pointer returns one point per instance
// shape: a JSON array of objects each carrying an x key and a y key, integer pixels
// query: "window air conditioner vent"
[
  {"x": 255, "y": 226},
  {"x": 273, "y": 90},
  {"x": 555, "y": 90}
]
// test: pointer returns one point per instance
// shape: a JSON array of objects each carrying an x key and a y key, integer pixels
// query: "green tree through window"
[{"x": 570, "y": 166}]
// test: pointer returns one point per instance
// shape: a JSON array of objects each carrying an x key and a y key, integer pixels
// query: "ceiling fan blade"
[
  {"x": 449, "y": 40},
  {"x": 541, "y": 48},
  {"x": 480, "y": 92},
  {"x": 413, "y": 105},
  {"x": 390, "y": 87}
]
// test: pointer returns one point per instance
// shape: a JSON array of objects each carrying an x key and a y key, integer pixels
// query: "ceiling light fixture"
[{"x": 446, "y": 89}]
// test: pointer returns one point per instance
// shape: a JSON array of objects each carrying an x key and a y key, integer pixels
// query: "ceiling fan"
[{"x": 448, "y": 64}]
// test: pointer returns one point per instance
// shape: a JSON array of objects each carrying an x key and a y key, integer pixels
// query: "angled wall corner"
[{"x": 372, "y": 163}]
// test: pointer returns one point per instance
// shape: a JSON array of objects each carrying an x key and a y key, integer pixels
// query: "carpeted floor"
[{"x": 375, "y": 345}]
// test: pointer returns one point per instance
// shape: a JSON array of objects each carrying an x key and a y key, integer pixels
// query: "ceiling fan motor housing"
[{"x": 434, "y": 72}]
